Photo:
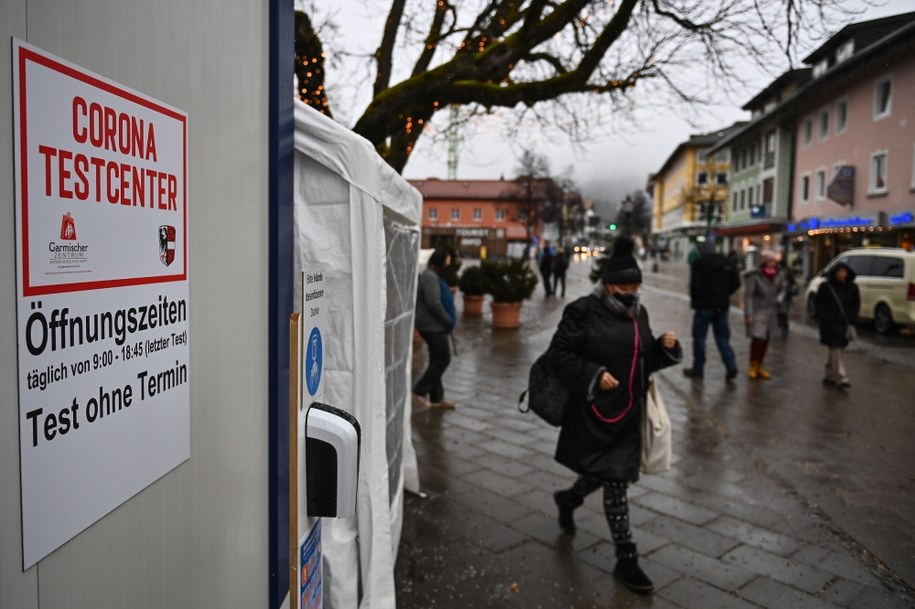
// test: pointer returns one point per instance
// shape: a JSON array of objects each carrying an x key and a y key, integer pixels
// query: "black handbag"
[{"x": 546, "y": 395}]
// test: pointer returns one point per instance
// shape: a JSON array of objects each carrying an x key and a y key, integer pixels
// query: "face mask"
[{"x": 627, "y": 298}]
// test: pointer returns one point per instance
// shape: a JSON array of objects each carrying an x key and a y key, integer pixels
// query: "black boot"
[
  {"x": 567, "y": 502},
  {"x": 628, "y": 571}
]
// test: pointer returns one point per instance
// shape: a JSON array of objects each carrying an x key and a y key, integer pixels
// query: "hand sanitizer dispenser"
[{"x": 331, "y": 460}]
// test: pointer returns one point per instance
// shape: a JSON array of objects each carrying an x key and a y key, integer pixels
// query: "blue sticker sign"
[{"x": 314, "y": 361}]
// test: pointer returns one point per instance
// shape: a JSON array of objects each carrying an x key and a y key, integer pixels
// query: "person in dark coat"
[
  {"x": 604, "y": 351},
  {"x": 560, "y": 266},
  {"x": 435, "y": 319},
  {"x": 546, "y": 265},
  {"x": 837, "y": 303},
  {"x": 712, "y": 279}
]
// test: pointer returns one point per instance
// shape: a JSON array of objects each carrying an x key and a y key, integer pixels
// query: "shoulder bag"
[
  {"x": 851, "y": 333},
  {"x": 656, "y": 440}
]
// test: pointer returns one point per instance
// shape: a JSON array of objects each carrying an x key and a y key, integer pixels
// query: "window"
[
  {"x": 820, "y": 67},
  {"x": 824, "y": 124},
  {"x": 433, "y": 213},
  {"x": 883, "y": 97},
  {"x": 500, "y": 214},
  {"x": 455, "y": 213},
  {"x": 768, "y": 190},
  {"x": 743, "y": 199},
  {"x": 477, "y": 213},
  {"x": 721, "y": 178},
  {"x": 805, "y": 188},
  {"x": 845, "y": 51},
  {"x": 842, "y": 116},
  {"x": 877, "y": 180},
  {"x": 861, "y": 265},
  {"x": 750, "y": 198},
  {"x": 887, "y": 266},
  {"x": 821, "y": 184},
  {"x": 808, "y": 131},
  {"x": 702, "y": 178},
  {"x": 771, "y": 141},
  {"x": 734, "y": 202}
]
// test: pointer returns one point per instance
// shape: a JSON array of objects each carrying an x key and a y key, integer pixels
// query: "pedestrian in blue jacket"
[{"x": 435, "y": 320}]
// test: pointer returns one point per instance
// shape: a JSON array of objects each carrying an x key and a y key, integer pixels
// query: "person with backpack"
[
  {"x": 603, "y": 352},
  {"x": 435, "y": 320}
]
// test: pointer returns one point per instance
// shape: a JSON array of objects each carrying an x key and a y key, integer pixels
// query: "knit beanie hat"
[
  {"x": 437, "y": 259},
  {"x": 621, "y": 267}
]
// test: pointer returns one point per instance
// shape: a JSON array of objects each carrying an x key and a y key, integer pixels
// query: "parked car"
[{"x": 886, "y": 279}]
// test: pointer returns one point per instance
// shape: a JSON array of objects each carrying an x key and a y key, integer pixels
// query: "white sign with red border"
[{"x": 102, "y": 285}]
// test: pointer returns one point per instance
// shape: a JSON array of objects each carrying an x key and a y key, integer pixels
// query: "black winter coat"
[
  {"x": 833, "y": 326},
  {"x": 712, "y": 279},
  {"x": 601, "y": 431}
]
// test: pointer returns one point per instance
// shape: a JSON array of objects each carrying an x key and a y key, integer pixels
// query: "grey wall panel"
[
  {"x": 198, "y": 537},
  {"x": 16, "y": 589}
]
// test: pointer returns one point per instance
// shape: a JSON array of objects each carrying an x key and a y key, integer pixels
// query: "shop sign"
[{"x": 842, "y": 188}]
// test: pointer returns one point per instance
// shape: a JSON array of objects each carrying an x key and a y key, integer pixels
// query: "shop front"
[{"x": 817, "y": 240}]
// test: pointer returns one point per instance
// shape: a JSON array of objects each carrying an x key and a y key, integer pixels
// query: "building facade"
[
  {"x": 690, "y": 193},
  {"x": 854, "y": 169},
  {"x": 482, "y": 218},
  {"x": 761, "y": 178}
]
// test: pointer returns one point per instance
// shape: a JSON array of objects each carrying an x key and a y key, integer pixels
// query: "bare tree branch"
[{"x": 560, "y": 61}]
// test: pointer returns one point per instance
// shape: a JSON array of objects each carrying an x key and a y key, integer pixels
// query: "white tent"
[{"x": 359, "y": 221}]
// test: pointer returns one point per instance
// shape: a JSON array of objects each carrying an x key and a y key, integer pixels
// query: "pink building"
[{"x": 854, "y": 122}]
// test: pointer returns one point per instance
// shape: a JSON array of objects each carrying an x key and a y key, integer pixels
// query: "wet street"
[{"x": 783, "y": 493}]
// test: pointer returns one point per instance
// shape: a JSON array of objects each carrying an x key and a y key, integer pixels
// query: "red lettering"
[
  {"x": 111, "y": 129},
  {"x": 112, "y": 171},
  {"x": 125, "y": 183},
  {"x": 172, "y": 193},
  {"x": 81, "y": 188},
  {"x": 98, "y": 164},
  {"x": 63, "y": 174},
  {"x": 79, "y": 110},
  {"x": 95, "y": 125},
  {"x": 160, "y": 191},
  {"x": 139, "y": 190},
  {"x": 150, "y": 152},
  {"x": 48, "y": 153}
]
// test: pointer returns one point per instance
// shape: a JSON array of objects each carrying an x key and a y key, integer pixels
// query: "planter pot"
[
  {"x": 506, "y": 314},
  {"x": 473, "y": 305}
]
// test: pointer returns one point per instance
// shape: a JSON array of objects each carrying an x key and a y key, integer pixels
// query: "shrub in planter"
[
  {"x": 508, "y": 281},
  {"x": 471, "y": 282}
]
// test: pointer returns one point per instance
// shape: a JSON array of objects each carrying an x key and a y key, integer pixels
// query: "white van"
[{"x": 886, "y": 279}]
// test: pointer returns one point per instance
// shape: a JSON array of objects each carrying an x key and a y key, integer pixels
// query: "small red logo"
[
  {"x": 68, "y": 228},
  {"x": 167, "y": 244}
]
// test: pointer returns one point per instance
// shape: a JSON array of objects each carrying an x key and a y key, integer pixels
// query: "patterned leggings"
[{"x": 616, "y": 506}]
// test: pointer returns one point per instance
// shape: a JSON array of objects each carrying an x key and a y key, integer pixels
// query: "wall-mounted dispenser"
[{"x": 332, "y": 439}]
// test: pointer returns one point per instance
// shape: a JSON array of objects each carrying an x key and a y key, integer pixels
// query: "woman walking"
[
  {"x": 837, "y": 303},
  {"x": 604, "y": 351},
  {"x": 765, "y": 287},
  {"x": 435, "y": 319}
]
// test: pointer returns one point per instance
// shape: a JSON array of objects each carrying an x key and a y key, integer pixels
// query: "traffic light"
[{"x": 612, "y": 227}]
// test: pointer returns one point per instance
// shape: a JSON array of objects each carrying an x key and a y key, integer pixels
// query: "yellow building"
[{"x": 690, "y": 192}]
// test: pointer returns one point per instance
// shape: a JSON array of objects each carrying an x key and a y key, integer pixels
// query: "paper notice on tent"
[
  {"x": 102, "y": 294},
  {"x": 314, "y": 305}
]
